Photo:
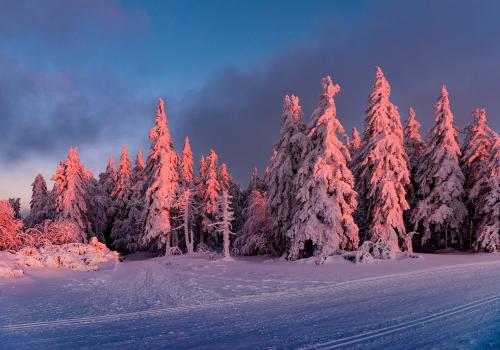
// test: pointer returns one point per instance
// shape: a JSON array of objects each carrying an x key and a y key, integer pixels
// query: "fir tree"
[
  {"x": 202, "y": 167},
  {"x": 210, "y": 189},
  {"x": 440, "y": 211},
  {"x": 258, "y": 234},
  {"x": 414, "y": 146},
  {"x": 186, "y": 173},
  {"x": 485, "y": 194},
  {"x": 381, "y": 170},
  {"x": 70, "y": 182},
  {"x": 285, "y": 163},
  {"x": 15, "y": 203},
  {"x": 476, "y": 150},
  {"x": 224, "y": 177},
  {"x": 132, "y": 226},
  {"x": 40, "y": 208},
  {"x": 10, "y": 227},
  {"x": 121, "y": 197},
  {"x": 100, "y": 204},
  {"x": 323, "y": 223},
  {"x": 354, "y": 142},
  {"x": 162, "y": 183},
  {"x": 477, "y": 146}
]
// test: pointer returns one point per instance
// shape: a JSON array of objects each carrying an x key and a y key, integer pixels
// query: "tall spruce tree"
[
  {"x": 210, "y": 190},
  {"x": 162, "y": 183},
  {"x": 186, "y": 172},
  {"x": 479, "y": 140},
  {"x": 121, "y": 201},
  {"x": 440, "y": 211},
  {"x": 485, "y": 194},
  {"x": 323, "y": 223},
  {"x": 414, "y": 145},
  {"x": 285, "y": 163},
  {"x": 382, "y": 174},
  {"x": 132, "y": 226},
  {"x": 40, "y": 206},
  {"x": 70, "y": 182}
]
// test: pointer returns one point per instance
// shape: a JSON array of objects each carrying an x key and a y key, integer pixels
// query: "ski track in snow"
[
  {"x": 146, "y": 290},
  {"x": 337, "y": 343}
]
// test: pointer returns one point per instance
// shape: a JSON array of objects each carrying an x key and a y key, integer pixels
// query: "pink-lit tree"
[
  {"x": 414, "y": 145},
  {"x": 162, "y": 183},
  {"x": 258, "y": 234},
  {"x": 10, "y": 227},
  {"x": 382, "y": 175},
  {"x": 186, "y": 172},
  {"x": 477, "y": 147},
  {"x": 209, "y": 193},
  {"x": 323, "y": 222},
  {"x": 440, "y": 211},
  {"x": 70, "y": 182},
  {"x": 354, "y": 142}
]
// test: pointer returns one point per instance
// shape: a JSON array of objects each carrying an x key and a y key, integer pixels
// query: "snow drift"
[{"x": 71, "y": 256}]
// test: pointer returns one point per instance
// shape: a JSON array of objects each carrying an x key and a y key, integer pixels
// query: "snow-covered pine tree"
[
  {"x": 479, "y": 140},
  {"x": 138, "y": 170},
  {"x": 122, "y": 183},
  {"x": 202, "y": 167},
  {"x": 70, "y": 182},
  {"x": 40, "y": 202},
  {"x": 133, "y": 224},
  {"x": 121, "y": 197},
  {"x": 101, "y": 211},
  {"x": 476, "y": 150},
  {"x": 210, "y": 189},
  {"x": 10, "y": 227},
  {"x": 485, "y": 194},
  {"x": 440, "y": 211},
  {"x": 186, "y": 172},
  {"x": 15, "y": 203},
  {"x": 162, "y": 183},
  {"x": 354, "y": 142},
  {"x": 224, "y": 177},
  {"x": 382, "y": 174},
  {"x": 256, "y": 182},
  {"x": 223, "y": 226},
  {"x": 323, "y": 223},
  {"x": 285, "y": 163},
  {"x": 258, "y": 234},
  {"x": 414, "y": 145}
]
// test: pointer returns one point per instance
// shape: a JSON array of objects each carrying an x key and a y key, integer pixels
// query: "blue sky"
[{"x": 89, "y": 73}]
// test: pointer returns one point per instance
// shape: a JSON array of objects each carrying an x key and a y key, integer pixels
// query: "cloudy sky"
[{"x": 88, "y": 73}]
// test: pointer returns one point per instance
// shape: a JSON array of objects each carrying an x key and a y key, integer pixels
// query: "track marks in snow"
[
  {"x": 359, "y": 338},
  {"x": 264, "y": 297}
]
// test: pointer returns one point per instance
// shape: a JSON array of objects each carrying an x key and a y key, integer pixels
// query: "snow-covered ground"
[{"x": 439, "y": 301}]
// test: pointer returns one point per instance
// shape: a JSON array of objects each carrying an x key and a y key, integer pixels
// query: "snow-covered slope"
[{"x": 440, "y": 301}]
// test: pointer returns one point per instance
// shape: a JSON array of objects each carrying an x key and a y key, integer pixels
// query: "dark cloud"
[
  {"x": 419, "y": 46},
  {"x": 42, "y": 114},
  {"x": 60, "y": 22}
]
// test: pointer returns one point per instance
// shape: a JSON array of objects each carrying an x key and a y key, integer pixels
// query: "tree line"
[{"x": 324, "y": 192}]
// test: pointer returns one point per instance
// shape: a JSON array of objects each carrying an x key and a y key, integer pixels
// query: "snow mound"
[
  {"x": 72, "y": 256},
  {"x": 9, "y": 272},
  {"x": 369, "y": 251}
]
